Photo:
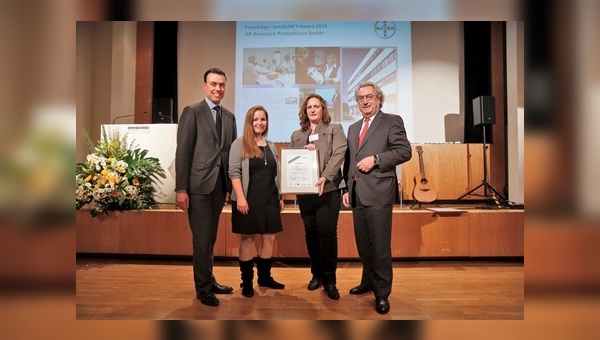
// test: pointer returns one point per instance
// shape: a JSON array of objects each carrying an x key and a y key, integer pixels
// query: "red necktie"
[
  {"x": 362, "y": 136},
  {"x": 363, "y": 132}
]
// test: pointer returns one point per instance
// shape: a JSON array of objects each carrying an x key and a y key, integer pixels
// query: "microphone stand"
[
  {"x": 133, "y": 115},
  {"x": 488, "y": 189}
]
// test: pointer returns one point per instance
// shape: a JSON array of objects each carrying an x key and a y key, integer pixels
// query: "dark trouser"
[
  {"x": 320, "y": 216},
  {"x": 373, "y": 234},
  {"x": 203, "y": 215}
]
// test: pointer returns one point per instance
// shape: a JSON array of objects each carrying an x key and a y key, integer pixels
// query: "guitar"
[{"x": 423, "y": 192}]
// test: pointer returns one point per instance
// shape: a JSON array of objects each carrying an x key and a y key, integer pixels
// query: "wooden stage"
[
  {"x": 458, "y": 284},
  {"x": 415, "y": 234},
  {"x": 135, "y": 289}
]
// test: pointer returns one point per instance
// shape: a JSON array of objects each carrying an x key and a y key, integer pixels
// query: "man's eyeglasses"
[{"x": 368, "y": 97}]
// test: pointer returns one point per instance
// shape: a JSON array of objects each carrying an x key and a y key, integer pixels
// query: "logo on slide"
[{"x": 385, "y": 29}]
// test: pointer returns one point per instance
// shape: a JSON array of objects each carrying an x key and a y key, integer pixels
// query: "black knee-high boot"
[
  {"x": 247, "y": 269},
  {"x": 263, "y": 267}
]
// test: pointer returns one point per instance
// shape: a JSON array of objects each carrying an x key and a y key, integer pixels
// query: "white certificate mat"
[{"x": 299, "y": 171}]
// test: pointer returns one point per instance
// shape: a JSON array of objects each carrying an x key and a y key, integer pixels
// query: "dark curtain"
[
  {"x": 478, "y": 75},
  {"x": 165, "y": 63}
]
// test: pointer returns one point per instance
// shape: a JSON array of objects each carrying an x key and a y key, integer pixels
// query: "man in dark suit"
[
  {"x": 376, "y": 144},
  {"x": 204, "y": 136}
]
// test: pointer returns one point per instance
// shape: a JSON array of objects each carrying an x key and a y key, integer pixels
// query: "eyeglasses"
[{"x": 368, "y": 97}]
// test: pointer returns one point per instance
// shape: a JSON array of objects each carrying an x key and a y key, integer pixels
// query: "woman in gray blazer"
[
  {"x": 257, "y": 202},
  {"x": 320, "y": 211}
]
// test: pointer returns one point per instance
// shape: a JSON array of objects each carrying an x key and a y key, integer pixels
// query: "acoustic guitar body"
[{"x": 423, "y": 192}]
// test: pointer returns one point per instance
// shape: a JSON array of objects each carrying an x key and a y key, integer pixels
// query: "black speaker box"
[
  {"x": 162, "y": 111},
  {"x": 484, "y": 110}
]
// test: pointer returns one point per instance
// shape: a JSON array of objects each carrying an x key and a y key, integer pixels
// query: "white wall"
[
  {"x": 587, "y": 157},
  {"x": 84, "y": 76},
  {"x": 106, "y": 53},
  {"x": 94, "y": 77},
  {"x": 123, "y": 71},
  {"x": 515, "y": 124},
  {"x": 437, "y": 57},
  {"x": 202, "y": 45}
]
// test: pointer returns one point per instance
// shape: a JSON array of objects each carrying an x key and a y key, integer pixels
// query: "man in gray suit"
[
  {"x": 204, "y": 136},
  {"x": 376, "y": 144}
]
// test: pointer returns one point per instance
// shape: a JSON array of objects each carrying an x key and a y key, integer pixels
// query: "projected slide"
[{"x": 280, "y": 63}]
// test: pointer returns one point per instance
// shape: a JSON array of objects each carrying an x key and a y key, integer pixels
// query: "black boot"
[
  {"x": 247, "y": 269},
  {"x": 265, "y": 279}
]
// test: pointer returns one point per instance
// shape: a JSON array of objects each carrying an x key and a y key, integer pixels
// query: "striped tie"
[{"x": 218, "y": 122}]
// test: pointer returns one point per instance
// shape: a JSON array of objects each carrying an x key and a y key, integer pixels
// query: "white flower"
[{"x": 106, "y": 176}]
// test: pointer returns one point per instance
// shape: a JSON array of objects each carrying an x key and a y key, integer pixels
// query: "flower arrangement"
[{"x": 116, "y": 176}]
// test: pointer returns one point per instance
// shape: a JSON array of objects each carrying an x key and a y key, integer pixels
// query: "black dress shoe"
[
  {"x": 382, "y": 305},
  {"x": 332, "y": 291},
  {"x": 360, "y": 289},
  {"x": 220, "y": 289},
  {"x": 314, "y": 284},
  {"x": 208, "y": 298}
]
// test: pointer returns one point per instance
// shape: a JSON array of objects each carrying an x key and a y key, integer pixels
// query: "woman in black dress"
[{"x": 257, "y": 203}]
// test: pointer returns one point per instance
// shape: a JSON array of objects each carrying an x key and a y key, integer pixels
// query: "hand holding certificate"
[{"x": 299, "y": 171}]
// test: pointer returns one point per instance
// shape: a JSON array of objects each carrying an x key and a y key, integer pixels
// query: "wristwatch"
[{"x": 376, "y": 160}]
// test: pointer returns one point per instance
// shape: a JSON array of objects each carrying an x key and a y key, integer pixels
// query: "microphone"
[
  {"x": 133, "y": 115},
  {"x": 162, "y": 117}
]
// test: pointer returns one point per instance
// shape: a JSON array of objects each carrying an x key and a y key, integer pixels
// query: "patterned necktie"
[
  {"x": 363, "y": 132},
  {"x": 218, "y": 122}
]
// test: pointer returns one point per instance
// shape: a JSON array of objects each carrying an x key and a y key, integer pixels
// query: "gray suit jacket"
[
  {"x": 199, "y": 155},
  {"x": 385, "y": 137},
  {"x": 331, "y": 147}
]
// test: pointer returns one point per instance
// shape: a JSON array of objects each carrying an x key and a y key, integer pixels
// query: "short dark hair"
[{"x": 214, "y": 70}]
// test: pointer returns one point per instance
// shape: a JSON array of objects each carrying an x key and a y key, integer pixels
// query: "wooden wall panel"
[
  {"x": 231, "y": 240},
  {"x": 496, "y": 233},
  {"x": 290, "y": 242},
  {"x": 144, "y": 71},
  {"x": 498, "y": 153},
  {"x": 453, "y": 169},
  {"x": 346, "y": 239},
  {"x": 157, "y": 232},
  {"x": 427, "y": 234},
  {"x": 224, "y": 225},
  {"x": 414, "y": 234}
]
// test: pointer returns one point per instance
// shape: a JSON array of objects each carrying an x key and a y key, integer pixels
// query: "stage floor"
[{"x": 109, "y": 288}]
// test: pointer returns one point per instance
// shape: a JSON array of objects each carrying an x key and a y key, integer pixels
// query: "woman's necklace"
[{"x": 264, "y": 152}]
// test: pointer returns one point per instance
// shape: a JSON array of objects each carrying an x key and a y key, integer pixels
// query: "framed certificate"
[{"x": 299, "y": 171}]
